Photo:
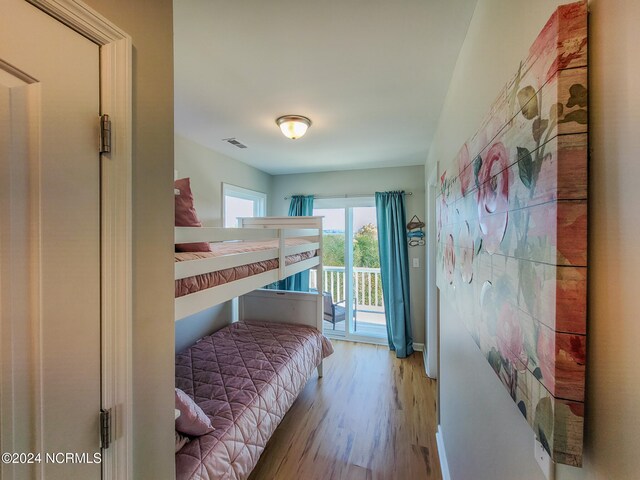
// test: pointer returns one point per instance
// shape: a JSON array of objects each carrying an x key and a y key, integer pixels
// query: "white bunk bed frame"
[{"x": 301, "y": 308}]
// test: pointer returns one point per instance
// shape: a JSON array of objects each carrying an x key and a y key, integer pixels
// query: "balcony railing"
[{"x": 367, "y": 285}]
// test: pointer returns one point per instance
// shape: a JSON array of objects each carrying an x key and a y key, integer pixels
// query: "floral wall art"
[{"x": 512, "y": 234}]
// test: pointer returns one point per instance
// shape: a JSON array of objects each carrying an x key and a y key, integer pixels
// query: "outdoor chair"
[{"x": 334, "y": 312}]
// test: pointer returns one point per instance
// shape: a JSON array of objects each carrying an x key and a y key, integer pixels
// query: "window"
[{"x": 241, "y": 202}]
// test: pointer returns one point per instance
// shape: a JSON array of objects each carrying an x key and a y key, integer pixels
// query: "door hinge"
[
  {"x": 105, "y": 428},
  {"x": 105, "y": 134}
]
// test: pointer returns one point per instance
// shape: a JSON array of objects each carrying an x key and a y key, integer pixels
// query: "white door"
[{"x": 49, "y": 246}]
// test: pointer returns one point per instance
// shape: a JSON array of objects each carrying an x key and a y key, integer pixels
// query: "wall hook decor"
[
  {"x": 415, "y": 232},
  {"x": 414, "y": 223}
]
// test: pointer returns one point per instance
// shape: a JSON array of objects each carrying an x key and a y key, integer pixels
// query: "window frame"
[{"x": 259, "y": 200}]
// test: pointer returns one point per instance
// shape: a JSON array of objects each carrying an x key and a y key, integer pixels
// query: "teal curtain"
[
  {"x": 300, "y": 206},
  {"x": 394, "y": 270}
]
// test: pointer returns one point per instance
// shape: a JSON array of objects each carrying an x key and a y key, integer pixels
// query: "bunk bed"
[
  {"x": 247, "y": 375},
  {"x": 262, "y": 251}
]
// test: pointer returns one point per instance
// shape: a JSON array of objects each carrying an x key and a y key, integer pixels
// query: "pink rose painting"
[
  {"x": 493, "y": 197},
  {"x": 543, "y": 221},
  {"x": 465, "y": 170},
  {"x": 510, "y": 338},
  {"x": 466, "y": 253},
  {"x": 442, "y": 208},
  {"x": 512, "y": 220},
  {"x": 449, "y": 259},
  {"x": 546, "y": 350},
  {"x": 442, "y": 214},
  {"x": 561, "y": 359}
]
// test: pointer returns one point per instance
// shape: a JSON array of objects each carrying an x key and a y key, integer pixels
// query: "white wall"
[
  {"x": 367, "y": 181},
  {"x": 484, "y": 434},
  {"x": 208, "y": 170}
]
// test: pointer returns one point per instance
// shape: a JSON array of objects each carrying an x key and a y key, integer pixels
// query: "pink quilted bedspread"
[
  {"x": 188, "y": 285},
  {"x": 245, "y": 377}
]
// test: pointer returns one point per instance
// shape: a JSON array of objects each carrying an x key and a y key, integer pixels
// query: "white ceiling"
[{"x": 370, "y": 74}]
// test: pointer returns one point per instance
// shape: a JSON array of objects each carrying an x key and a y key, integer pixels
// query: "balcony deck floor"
[{"x": 370, "y": 322}]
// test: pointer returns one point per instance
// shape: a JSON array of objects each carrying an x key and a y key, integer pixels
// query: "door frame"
[
  {"x": 116, "y": 224},
  {"x": 431, "y": 354}
]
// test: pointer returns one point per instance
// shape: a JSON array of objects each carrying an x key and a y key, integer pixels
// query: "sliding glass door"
[
  {"x": 368, "y": 315},
  {"x": 353, "y": 289},
  {"x": 334, "y": 267}
]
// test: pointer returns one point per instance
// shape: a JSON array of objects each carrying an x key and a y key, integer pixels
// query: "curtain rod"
[{"x": 346, "y": 195}]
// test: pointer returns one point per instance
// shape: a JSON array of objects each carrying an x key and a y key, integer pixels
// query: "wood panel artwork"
[{"x": 512, "y": 234}]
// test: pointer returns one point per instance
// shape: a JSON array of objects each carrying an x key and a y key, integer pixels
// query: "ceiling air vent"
[{"x": 234, "y": 142}]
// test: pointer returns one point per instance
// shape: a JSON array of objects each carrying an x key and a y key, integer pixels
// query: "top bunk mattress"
[
  {"x": 188, "y": 285},
  {"x": 245, "y": 377}
]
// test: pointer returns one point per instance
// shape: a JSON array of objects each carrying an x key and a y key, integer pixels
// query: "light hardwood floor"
[{"x": 371, "y": 417}]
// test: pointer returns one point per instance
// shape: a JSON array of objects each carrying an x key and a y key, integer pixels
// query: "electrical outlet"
[
  {"x": 544, "y": 460},
  {"x": 416, "y": 263}
]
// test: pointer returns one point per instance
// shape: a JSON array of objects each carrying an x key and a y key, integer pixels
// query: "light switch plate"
[
  {"x": 416, "y": 262},
  {"x": 544, "y": 460}
]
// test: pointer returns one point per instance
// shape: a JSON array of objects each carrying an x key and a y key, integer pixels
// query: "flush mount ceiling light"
[{"x": 293, "y": 126}]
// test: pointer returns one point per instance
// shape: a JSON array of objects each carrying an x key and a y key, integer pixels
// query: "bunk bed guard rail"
[{"x": 274, "y": 232}]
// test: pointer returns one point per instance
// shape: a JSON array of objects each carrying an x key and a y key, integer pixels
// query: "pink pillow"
[
  {"x": 192, "y": 420},
  {"x": 186, "y": 215}
]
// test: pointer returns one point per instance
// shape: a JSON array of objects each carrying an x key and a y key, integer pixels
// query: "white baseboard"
[
  {"x": 418, "y": 347},
  {"x": 442, "y": 455}
]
